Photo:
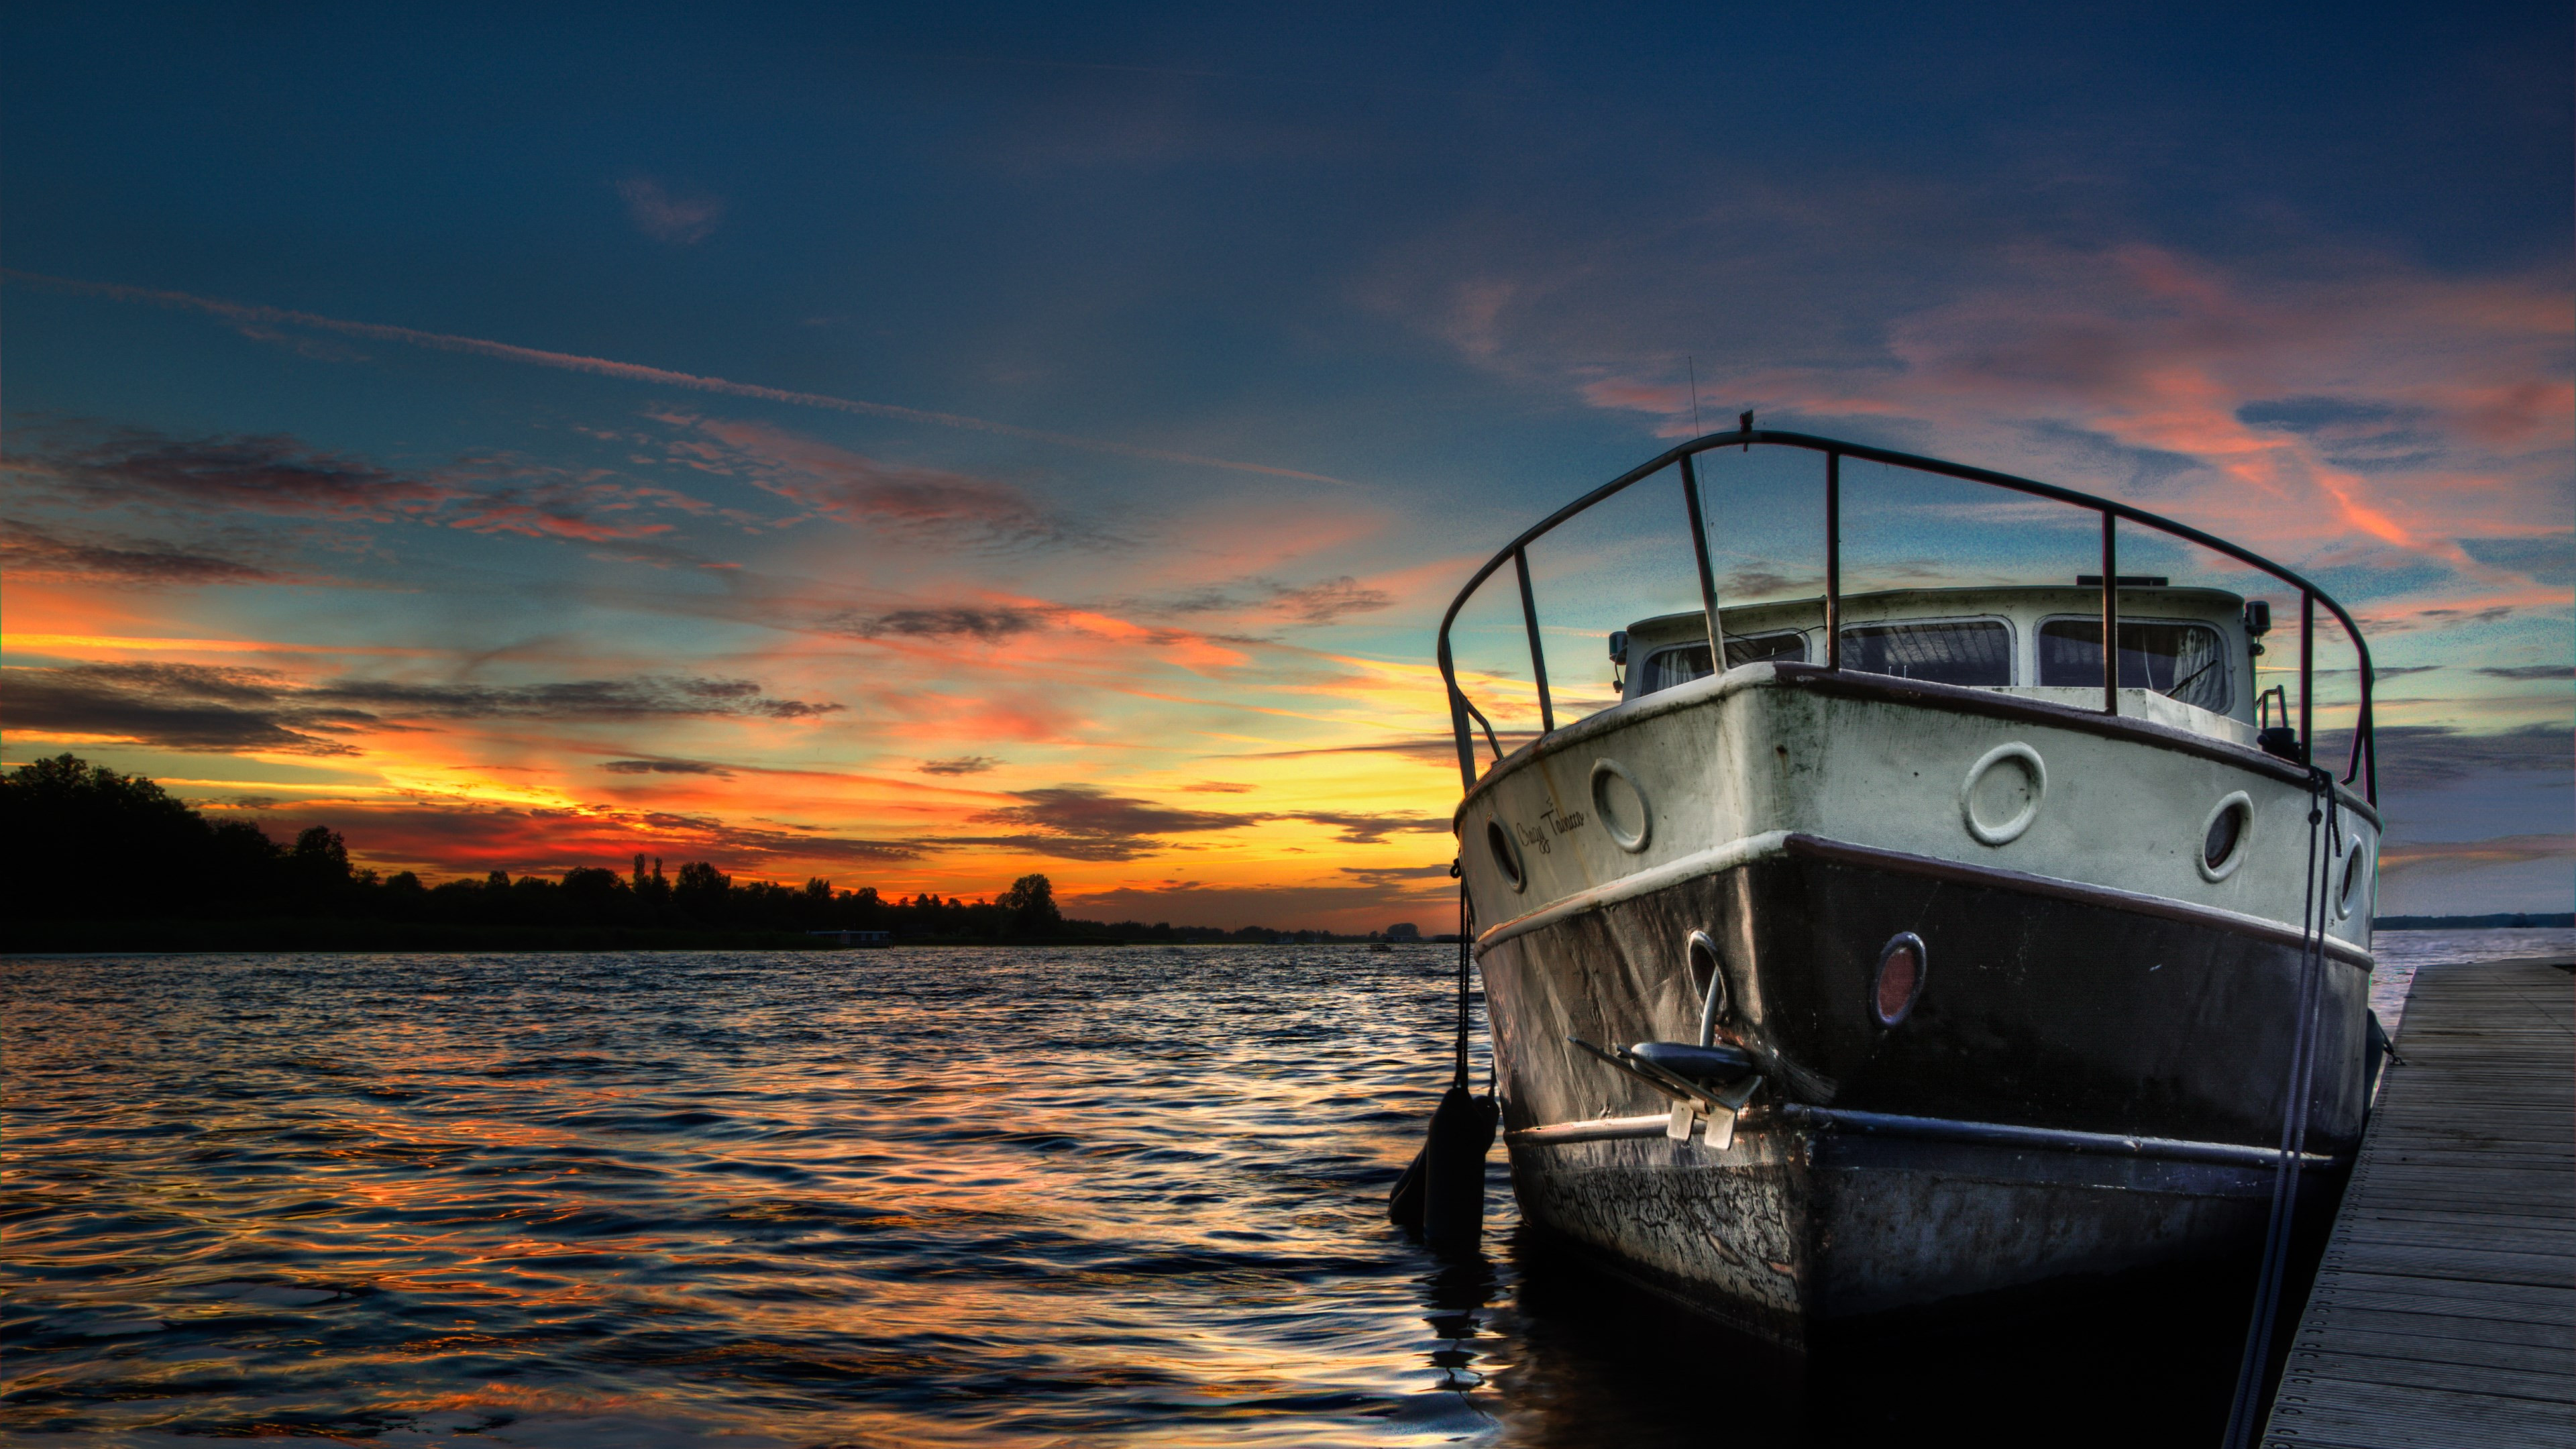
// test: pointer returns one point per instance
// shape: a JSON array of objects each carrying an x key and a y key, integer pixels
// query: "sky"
[{"x": 918, "y": 448}]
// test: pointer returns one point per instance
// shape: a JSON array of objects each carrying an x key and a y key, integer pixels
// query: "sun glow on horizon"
[{"x": 969, "y": 479}]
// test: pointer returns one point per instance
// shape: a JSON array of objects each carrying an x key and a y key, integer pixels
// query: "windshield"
[
  {"x": 1789, "y": 647},
  {"x": 1685, "y": 662},
  {"x": 1976, "y": 652},
  {"x": 2180, "y": 660}
]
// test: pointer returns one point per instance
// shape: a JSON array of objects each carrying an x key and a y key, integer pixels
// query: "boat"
[{"x": 1920, "y": 953}]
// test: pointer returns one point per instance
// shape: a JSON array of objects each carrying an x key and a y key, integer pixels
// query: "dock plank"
[
  {"x": 2370, "y": 1416},
  {"x": 2427, "y": 1351},
  {"x": 2517, "y": 1302},
  {"x": 2329, "y": 1320},
  {"x": 2414, "y": 1257},
  {"x": 2442, "y": 1217},
  {"x": 2545, "y": 1383},
  {"x": 2445, "y": 1305}
]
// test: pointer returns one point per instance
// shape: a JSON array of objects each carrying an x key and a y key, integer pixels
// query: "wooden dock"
[{"x": 2444, "y": 1314}]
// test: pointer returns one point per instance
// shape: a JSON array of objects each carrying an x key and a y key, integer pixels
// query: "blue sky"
[{"x": 1248, "y": 333}]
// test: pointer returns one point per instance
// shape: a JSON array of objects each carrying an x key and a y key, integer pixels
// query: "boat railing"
[{"x": 2361, "y": 763}]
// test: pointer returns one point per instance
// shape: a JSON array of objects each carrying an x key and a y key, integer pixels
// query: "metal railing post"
[
  {"x": 2307, "y": 676},
  {"x": 1707, "y": 576},
  {"x": 1833, "y": 560},
  {"x": 1538, "y": 656},
  {"x": 2110, "y": 614},
  {"x": 2364, "y": 751},
  {"x": 1466, "y": 740}
]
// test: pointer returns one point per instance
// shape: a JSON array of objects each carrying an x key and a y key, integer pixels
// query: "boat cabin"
[{"x": 2186, "y": 654}]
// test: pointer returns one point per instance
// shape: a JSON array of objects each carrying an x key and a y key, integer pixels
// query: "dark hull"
[{"x": 2038, "y": 1011}]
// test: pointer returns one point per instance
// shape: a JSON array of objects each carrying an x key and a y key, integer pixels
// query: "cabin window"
[
  {"x": 1786, "y": 647},
  {"x": 1668, "y": 667},
  {"x": 1684, "y": 663},
  {"x": 2185, "y": 661},
  {"x": 1975, "y": 652}
]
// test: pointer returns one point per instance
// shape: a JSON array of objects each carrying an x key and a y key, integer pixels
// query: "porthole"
[
  {"x": 1898, "y": 983},
  {"x": 1507, "y": 858},
  {"x": 2223, "y": 834},
  {"x": 2356, "y": 874},
  {"x": 1619, "y": 803},
  {"x": 2001, "y": 796},
  {"x": 1707, "y": 980}
]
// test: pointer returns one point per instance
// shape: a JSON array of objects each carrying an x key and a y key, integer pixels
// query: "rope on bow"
[{"x": 2245, "y": 1412}]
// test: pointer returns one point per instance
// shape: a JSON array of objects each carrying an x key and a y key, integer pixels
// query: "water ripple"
[
  {"x": 917, "y": 1197},
  {"x": 866, "y": 1198}
]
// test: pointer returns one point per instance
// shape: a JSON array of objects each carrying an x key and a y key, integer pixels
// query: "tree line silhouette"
[{"x": 90, "y": 845}]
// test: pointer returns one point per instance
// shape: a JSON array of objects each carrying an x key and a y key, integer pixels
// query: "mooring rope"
[
  {"x": 2245, "y": 1412},
  {"x": 1460, "y": 1080}
]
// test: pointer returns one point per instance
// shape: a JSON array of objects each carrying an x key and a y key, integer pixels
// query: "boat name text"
[{"x": 1550, "y": 823}]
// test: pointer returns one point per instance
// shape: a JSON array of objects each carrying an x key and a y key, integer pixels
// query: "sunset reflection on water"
[
  {"x": 855, "y": 1198},
  {"x": 892, "y": 1196}
]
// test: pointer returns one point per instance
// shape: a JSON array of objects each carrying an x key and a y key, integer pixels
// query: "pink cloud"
[
  {"x": 1643, "y": 397},
  {"x": 535, "y": 521},
  {"x": 926, "y": 504},
  {"x": 2153, "y": 351}
]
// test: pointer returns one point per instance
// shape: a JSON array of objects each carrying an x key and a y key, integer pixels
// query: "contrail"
[{"x": 629, "y": 371}]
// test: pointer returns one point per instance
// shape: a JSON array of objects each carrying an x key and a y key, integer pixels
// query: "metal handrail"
[{"x": 2362, "y": 763}]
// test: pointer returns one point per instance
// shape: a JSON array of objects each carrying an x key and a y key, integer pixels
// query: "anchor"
[{"x": 1707, "y": 1079}]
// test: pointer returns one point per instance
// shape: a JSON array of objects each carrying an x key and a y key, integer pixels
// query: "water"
[
  {"x": 873, "y": 1198},
  {"x": 2400, "y": 952}
]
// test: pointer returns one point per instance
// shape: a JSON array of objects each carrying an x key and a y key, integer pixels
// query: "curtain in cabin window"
[
  {"x": 1975, "y": 652},
  {"x": 2181, "y": 660},
  {"x": 1668, "y": 667}
]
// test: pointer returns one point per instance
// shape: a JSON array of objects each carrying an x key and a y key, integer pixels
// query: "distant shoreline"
[{"x": 282, "y": 934}]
